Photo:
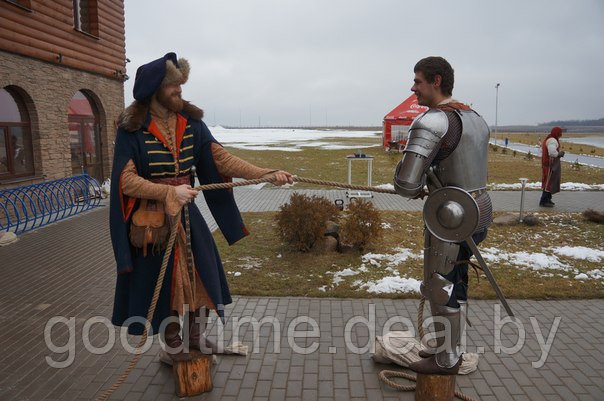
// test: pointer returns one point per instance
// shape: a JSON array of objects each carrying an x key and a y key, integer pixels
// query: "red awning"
[{"x": 407, "y": 110}]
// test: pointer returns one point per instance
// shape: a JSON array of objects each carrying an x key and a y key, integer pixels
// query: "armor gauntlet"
[{"x": 425, "y": 135}]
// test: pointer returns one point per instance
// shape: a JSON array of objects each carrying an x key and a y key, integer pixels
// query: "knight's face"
[{"x": 425, "y": 91}]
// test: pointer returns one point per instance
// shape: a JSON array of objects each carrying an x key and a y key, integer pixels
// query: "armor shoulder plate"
[{"x": 426, "y": 131}]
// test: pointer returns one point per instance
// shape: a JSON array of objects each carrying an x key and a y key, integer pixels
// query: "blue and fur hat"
[{"x": 163, "y": 71}]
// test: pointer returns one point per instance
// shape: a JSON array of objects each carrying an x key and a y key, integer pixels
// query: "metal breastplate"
[{"x": 466, "y": 166}]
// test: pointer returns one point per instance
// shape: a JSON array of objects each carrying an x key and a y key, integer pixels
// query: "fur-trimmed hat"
[{"x": 163, "y": 71}]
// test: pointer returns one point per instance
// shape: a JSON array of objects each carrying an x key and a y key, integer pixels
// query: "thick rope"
[
  {"x": 385, "y": 376},
  {"x": 420, "y": 318},
  {"x": 226, "y": 185},
  {"x": 160, "y": 279}
]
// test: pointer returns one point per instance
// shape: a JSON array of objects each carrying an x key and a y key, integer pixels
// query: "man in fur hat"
[{"x": 159, "y": 139}]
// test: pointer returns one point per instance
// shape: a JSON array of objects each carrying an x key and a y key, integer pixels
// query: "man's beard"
[{"x": 173, "y": 103}]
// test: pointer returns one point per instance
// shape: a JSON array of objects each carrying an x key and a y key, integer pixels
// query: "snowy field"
[{"x": 290, "y": 140}]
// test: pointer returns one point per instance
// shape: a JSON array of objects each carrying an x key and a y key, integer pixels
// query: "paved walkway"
[{"x": 67, "y": 270}]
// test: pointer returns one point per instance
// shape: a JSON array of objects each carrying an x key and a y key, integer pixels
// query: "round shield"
[{"x": 451, "y": 214}]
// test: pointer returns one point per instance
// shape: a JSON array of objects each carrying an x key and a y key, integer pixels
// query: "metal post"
[
  {"x": 349, "y": 171},
  {"x": 496, "y": 107},
  {"x": 523, "y": 182}
]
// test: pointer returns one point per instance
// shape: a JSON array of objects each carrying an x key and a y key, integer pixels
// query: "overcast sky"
[{"x": 294, "y": 62}]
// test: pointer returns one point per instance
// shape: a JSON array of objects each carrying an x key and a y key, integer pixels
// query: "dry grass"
[{"x": 264, "y": 266}]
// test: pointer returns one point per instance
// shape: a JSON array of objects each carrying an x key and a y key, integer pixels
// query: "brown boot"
[
  {"x": 198, "y": 322},
  {"x": 428, "y": 366},
  {"x": 175, "y": 349}
]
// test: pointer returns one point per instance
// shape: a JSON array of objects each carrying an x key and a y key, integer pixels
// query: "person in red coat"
[{"x": 550, "y": 166}]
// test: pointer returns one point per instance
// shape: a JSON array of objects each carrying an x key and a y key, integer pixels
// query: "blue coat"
[{"x": 137, "y": 275}]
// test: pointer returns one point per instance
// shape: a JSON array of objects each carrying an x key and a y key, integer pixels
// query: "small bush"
[
  {"x": 593, "y": 215},
  {"x": 302, "y": 221},
  {"x": 361, "y": 225},
  {"x": 504, "y": 150},
  {"x": 514, "y": 153},
  {"x": 529, "y": 156}
]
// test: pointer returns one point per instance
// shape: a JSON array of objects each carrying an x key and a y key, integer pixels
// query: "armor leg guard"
[
  {"x": 448, "y": 326},
  {"x": 439, "y": 259}
]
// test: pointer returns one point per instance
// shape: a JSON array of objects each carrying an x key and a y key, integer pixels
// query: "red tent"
[{"x": 396, "y": 123}]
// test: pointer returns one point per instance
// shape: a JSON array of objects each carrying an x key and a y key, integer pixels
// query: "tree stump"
[
  {"x": 435, "y": 387},
  {"x": 193, "y": 377}
]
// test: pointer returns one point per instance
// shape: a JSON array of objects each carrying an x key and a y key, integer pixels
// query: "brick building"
[{"x": 61, "y": 88}]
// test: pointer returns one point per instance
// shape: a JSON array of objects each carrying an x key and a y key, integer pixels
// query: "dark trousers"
[
  {"x": 545, "y": 197},
  {"x": 459, "y": 275}
]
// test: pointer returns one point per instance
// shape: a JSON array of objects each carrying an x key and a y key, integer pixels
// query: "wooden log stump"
[
  {"x": 435, "y": 387},
  {"x": 193, "y": 377}
]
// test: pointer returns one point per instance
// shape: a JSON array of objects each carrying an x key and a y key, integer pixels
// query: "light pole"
[{"x": 496, "y": 106}]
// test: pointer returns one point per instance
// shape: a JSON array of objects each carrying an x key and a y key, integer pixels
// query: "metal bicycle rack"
[{"x": 29, "y": 207}]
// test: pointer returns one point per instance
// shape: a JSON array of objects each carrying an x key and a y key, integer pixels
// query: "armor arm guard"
[{"x": 425, "y": 136}]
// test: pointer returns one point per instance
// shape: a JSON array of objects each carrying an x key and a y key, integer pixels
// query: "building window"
[
  {"x": 16, "y": 149},
  {"x": 85, "y": 16},
  {"x": 84, "y": 137}
]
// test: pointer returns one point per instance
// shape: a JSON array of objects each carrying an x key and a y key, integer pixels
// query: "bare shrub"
[
  {"x": 302, "y": 221},
  {"x": 593, "y": 215},
  {"x": 362, "y": 224}
]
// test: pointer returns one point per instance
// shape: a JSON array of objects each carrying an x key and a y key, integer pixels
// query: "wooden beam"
[
  {"x": 68, "y": 39},
  {"x": 19, "y": 38},
  {"x": 44, "y": 55}
]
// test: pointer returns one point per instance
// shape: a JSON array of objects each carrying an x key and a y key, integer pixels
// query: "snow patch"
[
  {"x": 392, "y": 284},
  {"x": 401, "y": 255},
  {"x": 534, "y": 261},
  {"x": 338, "y": 277},
  {"x": 579, "y": 252}
]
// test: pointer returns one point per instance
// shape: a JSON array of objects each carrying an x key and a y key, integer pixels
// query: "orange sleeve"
[{"x": 232, "y": 166}]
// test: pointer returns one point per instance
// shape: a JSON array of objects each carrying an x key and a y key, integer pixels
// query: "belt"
[{"x": 174, "y": 181}]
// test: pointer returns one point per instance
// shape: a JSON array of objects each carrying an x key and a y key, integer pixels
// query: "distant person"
[
  {"x": 507, "y": 140},
  {"x": 551, "y": 168}
]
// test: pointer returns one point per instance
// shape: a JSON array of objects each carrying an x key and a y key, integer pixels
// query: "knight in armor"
[{"x": 447, "y": 147}]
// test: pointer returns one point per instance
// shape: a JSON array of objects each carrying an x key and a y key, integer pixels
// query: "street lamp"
[{"x": 496, "y": 106}]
